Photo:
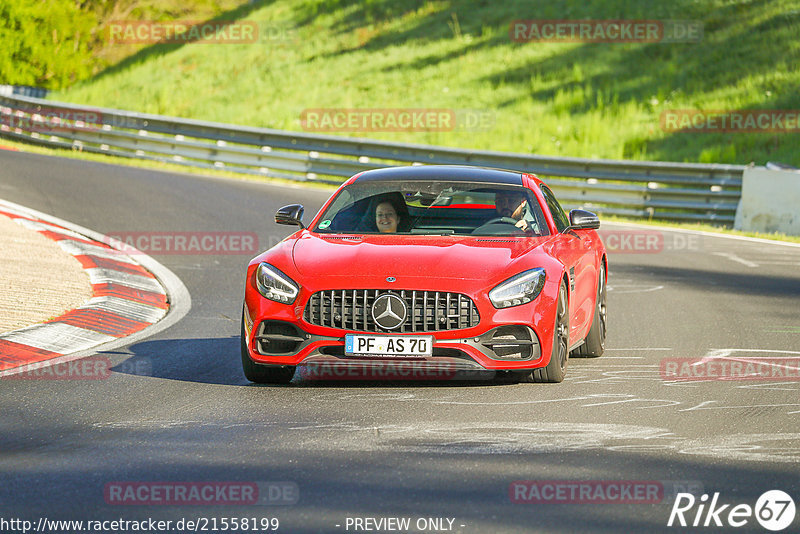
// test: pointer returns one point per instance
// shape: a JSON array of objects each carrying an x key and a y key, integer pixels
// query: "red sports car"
[{"x": 450, "y": 267}]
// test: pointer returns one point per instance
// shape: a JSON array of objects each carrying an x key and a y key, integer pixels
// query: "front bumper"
[{"x": 501, "y": 347}]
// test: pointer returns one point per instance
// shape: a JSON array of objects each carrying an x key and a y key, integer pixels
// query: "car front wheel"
[
  {"x": 263, "y": 374},
  {"x": 555, "y": 370}
]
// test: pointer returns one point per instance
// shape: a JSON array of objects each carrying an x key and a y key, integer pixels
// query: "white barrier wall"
[{"x": 770, "y": 201}]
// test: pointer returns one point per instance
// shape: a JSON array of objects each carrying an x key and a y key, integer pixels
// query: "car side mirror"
[
  {"x": 291, "y": 214},
  {"x": 583, "y": 220}
]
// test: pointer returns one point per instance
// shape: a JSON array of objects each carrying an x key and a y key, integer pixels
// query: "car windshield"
[{"x": 433, "y": 207}]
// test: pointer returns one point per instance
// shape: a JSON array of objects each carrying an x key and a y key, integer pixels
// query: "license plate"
[{"x": 363, "y": 345}]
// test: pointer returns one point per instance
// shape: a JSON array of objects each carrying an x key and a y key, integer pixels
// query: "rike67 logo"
[{"x": 774, "y": 510}]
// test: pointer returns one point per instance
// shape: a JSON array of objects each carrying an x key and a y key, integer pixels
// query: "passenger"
[{"x": 386, "y": 218}]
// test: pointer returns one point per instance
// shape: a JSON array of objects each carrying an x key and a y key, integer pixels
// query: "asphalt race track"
[{"x": 179, "y": 408}]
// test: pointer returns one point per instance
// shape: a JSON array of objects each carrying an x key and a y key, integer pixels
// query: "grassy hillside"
[
  {"x": 573, "y": 99},
  {"x": 53, "y": 44}
]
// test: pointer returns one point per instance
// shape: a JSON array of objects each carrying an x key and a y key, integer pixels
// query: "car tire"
[
  {"x": 263, "y": 374},
  {"x": 555, "y": 370},
  {"x": 595, "y": 341}
]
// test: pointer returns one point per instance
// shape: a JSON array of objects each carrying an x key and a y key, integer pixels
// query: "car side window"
[
  {"x": 535, "y": 217},
  {"x": 560, "y": 218}
]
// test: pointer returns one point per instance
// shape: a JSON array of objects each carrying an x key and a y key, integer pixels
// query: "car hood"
[{"x": 453, "y": 257}]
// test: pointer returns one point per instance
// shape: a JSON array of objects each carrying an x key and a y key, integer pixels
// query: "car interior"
[{"x": 448, "y": 212}]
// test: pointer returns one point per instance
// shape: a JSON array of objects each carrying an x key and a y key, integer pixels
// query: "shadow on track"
[{"x": 217, "y": 361}]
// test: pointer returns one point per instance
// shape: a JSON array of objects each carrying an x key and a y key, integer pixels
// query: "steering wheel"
[
  {"x": 486, "y": 228},
  {"x": 505, "y": 220}
]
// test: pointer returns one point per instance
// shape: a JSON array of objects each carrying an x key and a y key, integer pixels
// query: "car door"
[{"x": 576, "y": 251}]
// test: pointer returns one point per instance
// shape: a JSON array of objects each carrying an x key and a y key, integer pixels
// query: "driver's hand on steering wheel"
[{"x": 518, "y": 213}]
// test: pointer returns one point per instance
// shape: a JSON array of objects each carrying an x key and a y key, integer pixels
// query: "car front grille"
[{"x": 428, "y": 311}]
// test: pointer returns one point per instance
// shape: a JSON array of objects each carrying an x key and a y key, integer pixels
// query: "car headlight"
[
  {"x": 275, "y": 285},
  {"x": 519, "y": 289}
]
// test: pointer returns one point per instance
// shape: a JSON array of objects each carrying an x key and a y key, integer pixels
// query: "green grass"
[
  {"x": 53, "y": 44},
  {"x": 108, "y": 11},
  {"x": 596, "y": 100}
]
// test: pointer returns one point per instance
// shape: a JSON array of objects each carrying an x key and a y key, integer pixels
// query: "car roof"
[{"x": 450, "y": 173}]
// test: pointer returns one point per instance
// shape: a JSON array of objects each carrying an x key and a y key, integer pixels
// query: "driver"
[{"x": 512, "y": 204}]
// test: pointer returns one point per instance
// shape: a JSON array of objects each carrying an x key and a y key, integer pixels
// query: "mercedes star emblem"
[{"x": 389, "y": 311}]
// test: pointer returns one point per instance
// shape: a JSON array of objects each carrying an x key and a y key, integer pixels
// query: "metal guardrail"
[
  {"x": 659, "y": 190},
  {"x": 23, "y": 90}
]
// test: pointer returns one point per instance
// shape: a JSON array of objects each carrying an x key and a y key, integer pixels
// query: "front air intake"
[{"x": 277, "y": 337}]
